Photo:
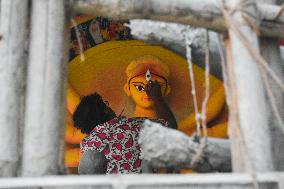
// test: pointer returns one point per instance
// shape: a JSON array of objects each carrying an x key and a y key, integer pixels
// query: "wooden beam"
[
  {"x": 13, "y": 36},
  {"x": 249, "y": 130},
  {"x": 178, "y": 150},
  {"x": 172, "y": 36},
  {"x": 270, "y": 50},
  {"x": 45, "y": 104},
  {"x": 150, "y": 181},
  {"x": 197, "y": 13}
]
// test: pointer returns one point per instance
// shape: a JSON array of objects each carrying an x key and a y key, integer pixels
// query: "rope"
[
  {"x": 224, "y": 72},
  {"x": 199, "y": 154},
  {"x": 279, "y": 13},
  {"x": 207, "y": 87},
  {"x": 272, "y": 100},
  {"x": 193, "y": 91}
]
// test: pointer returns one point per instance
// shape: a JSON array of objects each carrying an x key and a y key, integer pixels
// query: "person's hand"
[{"x": 153, "y": 90}]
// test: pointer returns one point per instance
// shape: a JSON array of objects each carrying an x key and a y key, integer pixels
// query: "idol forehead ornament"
[{"x": 148, "y": 75}]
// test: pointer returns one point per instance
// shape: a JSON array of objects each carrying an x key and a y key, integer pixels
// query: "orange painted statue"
[
  {"x": 144, "y": 106},
  {"x": 102, "y": 71},
  {"x": 136, "y": 83}
]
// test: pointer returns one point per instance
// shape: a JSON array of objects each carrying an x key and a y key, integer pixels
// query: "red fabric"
[{"x": 282, "y": 42}]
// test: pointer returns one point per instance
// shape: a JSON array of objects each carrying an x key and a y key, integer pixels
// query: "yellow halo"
[{"x": 104, "y": 68}]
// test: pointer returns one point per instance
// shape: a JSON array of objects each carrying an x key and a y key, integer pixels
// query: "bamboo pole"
[
  {"x": 45, "y": 104},
  {"x": 197, "y": 13},
  {"x": 270, "y": 50},
  {"x": 13, "y": 32},
  {"x": 249, "y": 130}
]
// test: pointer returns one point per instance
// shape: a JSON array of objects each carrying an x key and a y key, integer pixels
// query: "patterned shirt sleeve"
[
  {"x": 163, "y": 122},
  {"x": 97, "y": 140}
]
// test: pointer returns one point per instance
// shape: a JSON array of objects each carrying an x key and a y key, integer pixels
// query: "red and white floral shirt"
[{"x": 117, "y": 139}]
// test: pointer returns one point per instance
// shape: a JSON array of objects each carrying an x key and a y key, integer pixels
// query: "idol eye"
[{"x": 139, "y": 88}]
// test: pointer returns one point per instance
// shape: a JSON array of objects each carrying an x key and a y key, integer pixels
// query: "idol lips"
[{"x": 147, "y": 99}]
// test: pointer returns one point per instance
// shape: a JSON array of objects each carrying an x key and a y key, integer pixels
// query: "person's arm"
[
  {"x": 146, "y": 167},
  {"x": 92, "y": 162},
  {"x": 153, "y": 90}
]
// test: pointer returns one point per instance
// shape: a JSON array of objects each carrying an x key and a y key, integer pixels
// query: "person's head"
[
  {"x": 136, "y": 80},
  {"x": 91, "y": 111}
]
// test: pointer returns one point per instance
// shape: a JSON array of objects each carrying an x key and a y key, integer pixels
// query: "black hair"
[{"x": 91, "y": 112}]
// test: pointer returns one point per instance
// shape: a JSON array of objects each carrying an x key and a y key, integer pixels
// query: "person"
[
  {"x": 90, "y": 112},
  {"x": 112, "y": 142}
]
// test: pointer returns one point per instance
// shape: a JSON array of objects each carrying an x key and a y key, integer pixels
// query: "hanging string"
[
  {"x": 272, "y": 100},
  {"x": 224, "y": 71},
  {"x": 207, "y": 87},
  {"x": 279, "y": 13},
  {"x": 78, "y": 36},
  {"x": 199, "y": 154},
  {"x": 191, "y": 75}
]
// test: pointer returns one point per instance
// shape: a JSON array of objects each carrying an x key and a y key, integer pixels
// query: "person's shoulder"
[
  {"x": 136, "y": 120},
  {"x": 103, "y": 128},
  {"x": 98, "y": 138},
  {"x": 129, "y": 123},
  {"x": 140, "y": 120},
  {"x": 161, "y": 121}
]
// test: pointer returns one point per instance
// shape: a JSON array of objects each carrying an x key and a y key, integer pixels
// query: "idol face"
[{"x": 137, "y": 88}]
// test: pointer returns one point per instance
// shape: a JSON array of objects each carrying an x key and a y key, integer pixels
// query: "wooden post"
[
  {"x": 270, "y": 50},
  {"x": 205, "y": 13},
  {"x": 13, "y": 35},
  {"x": 249, "y": 130},
  {"x": 45, "y": 104}
]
